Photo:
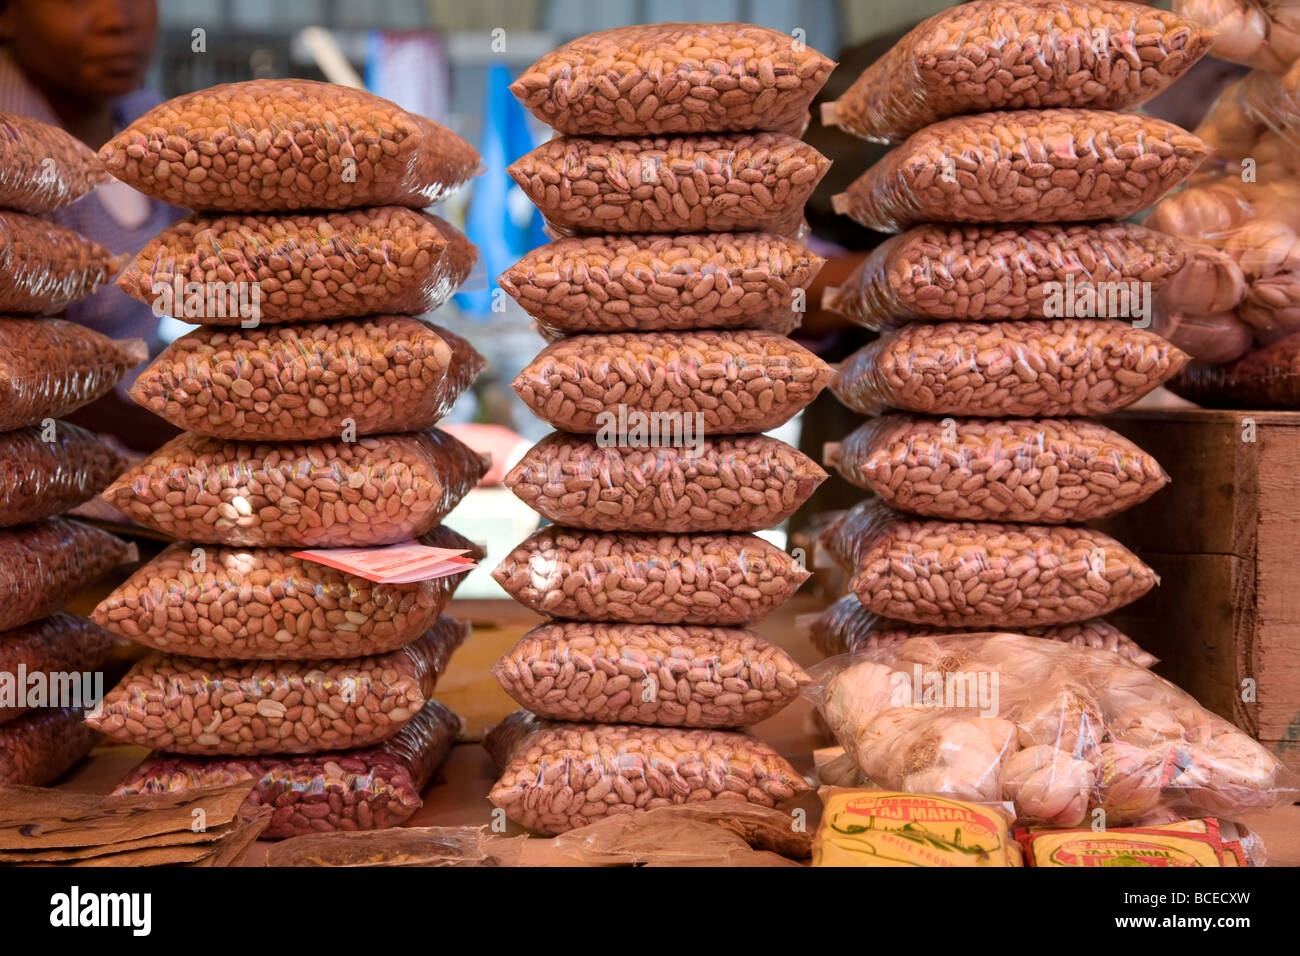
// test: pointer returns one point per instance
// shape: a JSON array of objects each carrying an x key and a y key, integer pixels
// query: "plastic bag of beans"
[
  {"x": 726, "y": 182},
  {"x": 675, "y": 78},
  {"x": 649, "y": 674},
  {"x": 650, "y": 283},
  {"x": 1045, "y": 471},
  {"x": 43, "y": 565},
  {"x": 368, "y": 789},
  {"x": 987, "y": 273},
  {"x": 60, "y": 643},
  {"x": 265, "y": 604},
  {"x": 247, "y": 708},
  {"x": 1007, "y": 369},
  {"x": 39, "y": 478},
  {"x": 1024, "y": 166},
  {"x": 1258, "y": 33},
  {"x": 44, "y": 267},
  {"x": 372, "y": 491},
  {"x": 745, "y": 483},
  {"x": 1267, "y": 378},
  {"x": 681, "y": 384},
  {"x": 43, "y": 168},
  {"x": 560, "y": 776},
  {"x": 981, "y": 574},
  {"x": 306, "y": 266},
  {"x": 275, "y": 145},
  {"x": 40, "y": 747},
  {"x": 709, "y": 579},
  {"x": 846, "y": 627},
  {"x": 1069, "y": 731},
  {"x": 385, "y": 373},
  {"x": 1007, "y": 55},
  {"x": 846, "y": 538},
  {"x": 50, "y": 367}
]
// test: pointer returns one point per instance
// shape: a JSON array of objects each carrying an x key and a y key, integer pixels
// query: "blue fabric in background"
[{"x": 494, "y": 222}]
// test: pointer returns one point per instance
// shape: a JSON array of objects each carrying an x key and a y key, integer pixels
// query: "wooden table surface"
[{"x": 457, "y": 797}]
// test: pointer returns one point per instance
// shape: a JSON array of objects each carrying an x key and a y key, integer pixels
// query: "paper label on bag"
[{"x": 403, "y": 563}]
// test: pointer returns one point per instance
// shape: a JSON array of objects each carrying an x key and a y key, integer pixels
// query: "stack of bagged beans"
[
  {"x": 309, "y": 393},
  {"x": 1006, "y": 187},
  {"x": 677, "y": 188},
  {"x": 51, "y": 662}
]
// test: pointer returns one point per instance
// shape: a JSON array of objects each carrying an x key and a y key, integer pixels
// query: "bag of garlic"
[{"x": 1067, "y": 734}]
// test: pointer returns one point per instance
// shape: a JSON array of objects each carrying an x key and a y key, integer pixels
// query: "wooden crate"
[{"x": 1224, "y": 536}]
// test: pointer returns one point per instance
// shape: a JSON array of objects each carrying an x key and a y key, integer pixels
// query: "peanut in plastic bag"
[
  {"x": 846, "y": 627},
  {"x": 1056, "y": 165},
  {"x": 44, "y": 267},
  {"x": 331, "y": 493},
  {"x": 305, "y": 267},
  {"x": 985, "y": 273},
  {"x": 1062, "y": 731},
  {"x": 41, "y": 746},
  {"x": 43, "y": 565},
  {"x": 43, "y": 168},
  {"x": 60, "y": 643},
  {"x": 40, "y": 478},
  {"x": 367, "y": 789},
  {"x": 1002, "y": 54},
  {"x": 50, "y": 367},
  {"x": 237, "y": 708},
  {"x": 266, "y": 604}
]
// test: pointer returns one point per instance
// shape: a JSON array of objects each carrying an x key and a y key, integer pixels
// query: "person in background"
[{"x": 80, "y": 65}]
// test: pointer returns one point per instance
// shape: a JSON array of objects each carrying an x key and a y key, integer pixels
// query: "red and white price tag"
[{"x": 402, "y": 563}]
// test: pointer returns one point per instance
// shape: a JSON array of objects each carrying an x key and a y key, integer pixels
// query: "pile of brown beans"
[
  {"x": 40, "y": 747},
  {"x": 241, "y": 708},
  {"x": 42, "y": 167},
  {"x": 386, "y": 373},
  {"x": 40, "y": 478},
  {"x": 367, "y": 789},
  {"x": 307, "y": 266},
  {"x": 277, "y": 145},
  {"x": 265, "y": 604},
  {"x": 372, "y": 491},
  {"x": 43, "y": 565},
  {"x": 44, "y": 267},
  {"x": 559, "y": 776},
  {"x": 1006, "y": 55}
]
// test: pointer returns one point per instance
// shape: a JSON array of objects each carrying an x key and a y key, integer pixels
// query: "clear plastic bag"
[
  {"x": 846, "y": 538},
  {"x": 559, "y": 776},
  {"x": 40, "y": 478},
  {"x": 745, "y": 483},
  {"x": 265, "y": 604},
  {"x": 307, "y": 267},
  {"x": 50, "y": 367},
  {"x": 649, "y": 674},
  {"x": 43, "y": 565},
  {"x": 982, "y": 574},
  {"x": 726, "y": 580},
  {"x": 846, "y": 627},
  {"x": 1062, "y": 731},
  {"x": 987, "y": 273},
  {"x": 43, "y": 168},
  {"x": 1045, "y": 471},
  {"x": 649, "y": 283},
  {"x": 40, "y": 747},
  {"x": 727, "y": 182},
  {"x": 271, "y": 145},
  {"x": 357, "y": 790},
  {"x": 1006, "y": 55},
  {"x": 247, "y": 708},
  {"x": 728, "y": 382},
  {"x": 1007, "y": 369},
  {"x": 1258, "y": 33},
  {"x": 60, "y": 643},
  {"x": 675, "y": 78},
  {"x": 1024, "y": 166},
  {"x": 45, "y": 267},
  {"x": 372, "y": 491},
  {"x": 385, "y": 373}
]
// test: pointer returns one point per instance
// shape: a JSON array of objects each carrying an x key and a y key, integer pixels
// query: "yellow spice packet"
[{"x": 884, "y": 828}]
